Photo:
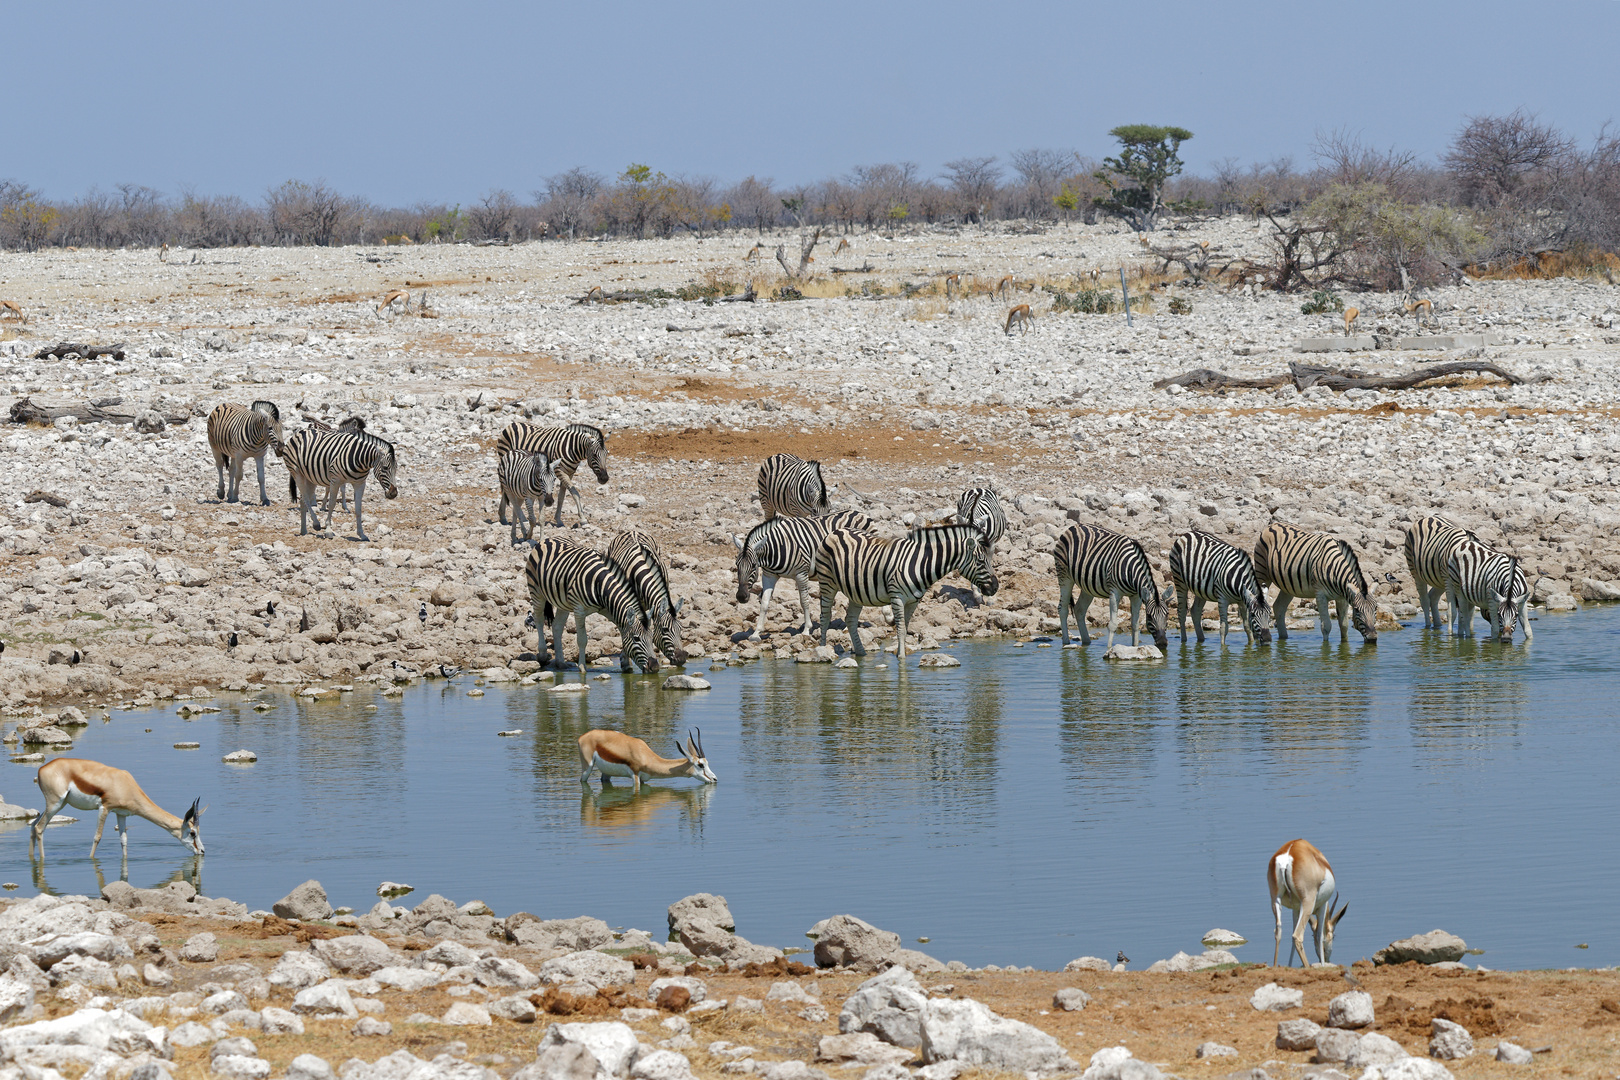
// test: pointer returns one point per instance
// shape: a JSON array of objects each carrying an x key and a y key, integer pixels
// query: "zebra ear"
[
  {"x": 680, "y": 604},
  {"x": 736, "y": 541}
]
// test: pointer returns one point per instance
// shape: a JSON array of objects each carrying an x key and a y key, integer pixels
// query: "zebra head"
[
  {"x": 1516, "y": 591},
  {"x": 638, "y": 642},
  {"x": 1259, "y": 615},
  {"x": 596, "y": 455},
  {"x": 747, "y": 568},
  {"x": 545, "y": 475},
  {"x": 383, "y": 470},
  {"x": 977, "y": 568},
  {"x": 816, "y": 490},
  {"x": 1363, "y": 611},
  {"x": 1158, "y": 616}
]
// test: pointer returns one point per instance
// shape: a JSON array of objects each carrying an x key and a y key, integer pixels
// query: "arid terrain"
[{"x": 145, "y": 575}]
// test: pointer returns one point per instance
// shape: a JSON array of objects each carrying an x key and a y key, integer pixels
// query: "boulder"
[
  {"x": 39, "y": 916},
  {"x": 1274, "y": 998},
  {"x": 224, "y": 1002},
  {"x": 686, "y": 682},
  {"x": 1186, "y": 962},
  {"x": 791, "y": 993},
  {"x": 1133, "y": 652},
  {"x": 1223, "y": 939},
  {"x": 961, "y": 1029},
  {"x": 1088, "y": 963},
  {"x": 1071, "y": 999},
  {"x": 1449, "y": 1041},
  {"x": 308, "y": 901},
  {"x": 1373, "y": 1050},
  {"x": 16, "y": 998},
  {"x": 1117, "y": 1063},
  {"x": 694, "y": 988},
  {"x": 889, "y": 1006},
  {"x": 516, "y": 1008},
  {"x": 326, "y": 999},
  {"x": 592, "y": 968},
  {"x": 1353, "y": 1009},
  {"x": 661, "y": 1065},
  {"x": 296, "y": 970},
  {"x": 700, "y": 906},
  {"x": 1214, "y": 1049},
  {"x": 612, "y": 1045},
  {"x": 200, "y": 949},
  {"x": 239, "y": 1045},
  {"x": 274, "y": 1021},
  {"x": 1414, "y": 1068},
  {"x": 95, "y": 1028},
  {"x": 86, "y": 970},
  {"x": 1435, "y": 947},
  {"x": 450, "y": 954},
  {"x": 1335, "y": 1044},
  {"x": 103, "y": 947},
  {"x": 557, "y": 935},
  {"x": 239, "y": 1067},
  {"x": 1513, "y": 1054},
  {"x": 499, "y": 971},
  {"x": 847, "y": 941},
  {"x": 1297, "y": 1034},
  {"x": 407, "y": 979},
  {"x": 356, "y": 955},
  {"x": 370, "y": 1025},
  {"x": 913, "y": 960},
  {"x": 467, "y": 1014},
  {"x": 861, "y": 1048}
]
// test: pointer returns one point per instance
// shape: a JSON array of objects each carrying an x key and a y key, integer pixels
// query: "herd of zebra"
[{"x": 803, "y": 538}]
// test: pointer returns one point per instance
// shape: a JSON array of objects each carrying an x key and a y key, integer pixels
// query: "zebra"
[
  {"x": 1430, "y": 542},
  {"x": 236, "y": 434},
  {"x": 566, "y": 447},
  {"x": 333, "y": 459},
  {"x": 566, "y": 578},
  {"x": 980, "y": 508},
  {"x": 348, "y": 423},
  {"x": 782, "y": 547},
  {"x": 870, "y": 571},
  {"x": 1104, "y": 563},
  {"x": 791, "y": 487},
  {"x": 635, "y": 552},
  {"x": 1302, "y": 563},
  {"x": 524, "y": 477},
  {"x": 1205, "y": 567},
  {"x": 1478, "y": 577}
]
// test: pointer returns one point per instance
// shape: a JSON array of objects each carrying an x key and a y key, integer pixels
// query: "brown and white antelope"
[
  {"x": 1421, "y": 310},
  {"x": 397, "y": 294},
  {"x": 952, "y": 282},
  {"x": 753, "y": 253},
  {"x": 1003, "y": 287},
  {"x": 1301, "y": 879},
  {"x": 843, "y": 245},
  {"x": 613, "y": 753},
  {"x": 90, "y": 785},
  {"x": 13, "y": 307},
  {"x": 1350, "y": 314},
  {"x": 1019, "y": 316}
]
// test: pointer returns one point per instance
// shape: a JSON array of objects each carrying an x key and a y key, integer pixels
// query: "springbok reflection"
[{"x": 629, "y": 810}]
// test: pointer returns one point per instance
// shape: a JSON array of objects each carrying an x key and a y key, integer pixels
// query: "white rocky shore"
[{"x": 144, "y": 576}]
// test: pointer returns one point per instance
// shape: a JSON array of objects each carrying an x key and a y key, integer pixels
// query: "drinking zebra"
[
  {"x": 786, "y": 547},
  {"x": 791, "y": 487},
  {"x": 1430, "y": 542},
  {"x": 870, "y": 571},
  {"x": 1103, "y": 563},
  {"x": 566, "y": 447},
  {"x": 1302, "y": 563},
  {"x": 236, "y": 434},
  {"x": 1207, "y": 568},
  {"x": 1478, "y": 577},
  {"x": 565, "y": 578},
  {"x": 524, "y": 476},
  {"x": 332, "y": 459},
  {"x": 637, "y": 554}
]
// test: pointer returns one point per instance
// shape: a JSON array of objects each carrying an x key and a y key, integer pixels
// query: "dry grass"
[{"x": 1579, "y": 262}]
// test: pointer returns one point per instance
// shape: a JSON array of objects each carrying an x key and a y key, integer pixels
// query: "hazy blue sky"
[{"x": 403, "y": 101}]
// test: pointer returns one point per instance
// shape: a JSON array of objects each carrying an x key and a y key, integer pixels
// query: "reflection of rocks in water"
[{"x": 620, "y": 806}]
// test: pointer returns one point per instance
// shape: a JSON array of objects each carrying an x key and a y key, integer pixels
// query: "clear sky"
[{"x": 404, "y": 101}]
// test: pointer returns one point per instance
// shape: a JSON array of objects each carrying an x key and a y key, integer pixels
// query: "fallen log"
[
  {"x": 1305, "y": 376},
  {"x": 747, "y": 297},
  {"x": 45, "y": 497},
  {"x": 44, "y": 411},
  {"x": 87, "y": 352},
  {"x": 1210, "y": 379},
  {"x": 867, "y": 269}
]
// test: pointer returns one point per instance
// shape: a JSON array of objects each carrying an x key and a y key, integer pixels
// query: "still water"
[{"x": 1028, "y": 807}]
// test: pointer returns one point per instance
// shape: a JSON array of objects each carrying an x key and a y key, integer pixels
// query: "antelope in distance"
[
  {"x": 1003, "y": 287},
  {"x": 1350, "y": 314},
  {"x": 753, "y": 253},
  {"x": 90, "y": 785},
  {"x": 613, "y": 753},
  {"x": 1421, "y": 310},
  {"x": 15, "y": 309},
  {"x": 843, "y": 245},
  {"x": 396, "y": 294},
  {"x": 163, "y": 253},
  {"x": 1019, "y": 316},
  {"x": 952, "y": 281},
  {"x": 1301, "y": 879}
]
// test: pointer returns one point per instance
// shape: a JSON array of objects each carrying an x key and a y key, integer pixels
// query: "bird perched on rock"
[
  {"x": 421, "y": 615},
  {"x": 1121, "y": 958},
  {"x": 75, "y": 659},
  {"x": 528, "y": 621},
  {"x": 231, "y": 641},
  {"x": 1349, "y": 978},
  {"x": 270, "y": 609},
  {"x": 303, "y": 621}
]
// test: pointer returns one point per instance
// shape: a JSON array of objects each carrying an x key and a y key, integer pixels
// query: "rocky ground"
[
  {"x": 143, "y": 575},
  {"x": 162, "y": 982}
]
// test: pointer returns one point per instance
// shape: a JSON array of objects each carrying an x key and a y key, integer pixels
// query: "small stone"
[
  {"x": 1070, "y": 999},
  {"x": 309, "y": 1067},
  {"x": 1449, "y": 1041},
  {"x": 1335, "y": 1044},
  {"x": 239, "y": 1067},
  {"x": 326, "y": 998},
  {"x": 394, "y": 888},
  {"x": 152, "y": 975},
  {"x": 686, "y": 682},
  {"x": 224, "y": 1002},
  {"x": 1351, "y": 1010},
  {"x": 308, "y": 902},
  {"x": 1297, "y": 1034},
  {"x": 466, "y": 1013},
  {"x": 240, "y": 757},
  {"x": 1088, "y": 963},
  {"x": 1374, "y": 1050},
  {"x": 1513, "y": 1054},
  {"x": 1214, "y": 1049},
  {"x": 1223, "y": 939},
  {"x": 370, "y": 1025},
  {"x": 939, "y": 660},
  {"x": 1274, "y": 998},
  {"x": 1435, "y": 947},
  {"x": 520, "y": 1009},
  {"x": 274, "y": 1021},
  {"x": 1133, "y": 652},
  {"x": 200, "y": 949}
]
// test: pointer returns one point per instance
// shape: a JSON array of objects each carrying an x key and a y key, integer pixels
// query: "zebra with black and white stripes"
[
  {"x": 566, "y": 578},
  {"x": 782, "y": 547},
  {"x": 332, "y": 459},
  {"x": 1207, "y": 568},
  {"x": 236, "y": 434},
  {"x": 789, "y": 486},
  {"x": 524, "y": 476},
  {"x": 980, "y": 508},
  {"x": 1430, "y": 542},
  {"x": 348, "y": 423},
  {"x": 1099, "y": 563},
  {"x": 870, "y": 571},
  {"x": 1303, "y": 563},
  {"x": 567, "y": 448},
  {"x": 636, "y": 553},
  {"x": 1479, "y": 577}
]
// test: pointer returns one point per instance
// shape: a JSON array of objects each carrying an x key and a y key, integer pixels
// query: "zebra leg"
[
  {"x": 563, "y": 485},
  {"x": 902, "y": 620},
  {"x": 219, "y": 465},
  {"x": 1136, "y": 613},
  {"x": 1084, "y": 610},
  {"x": 559, "y": 621},
  {"x": 264, "y": 494},
  {"x": 1113, "y": 616},
  {"x": 828, "y": 593},
  {"x": 1181, "y": 613},
  {"x": 306, "y": 505},
  {"x": 1197, "y": 618},
  {"x": 768, "y": 581},
  {"x": 1065, "y": 590},
  {"x": 359, "y": 525},
  {"x": 235, "y": 492},
  {"x": 1279, "y": 609},
  {"x": 852, "y": 620},
  {"x": 1524, "y": 620},
  {"x": 1341, "y": 611},
  {"x": 803, "y": 582},
  {"x": 500, "y": 512},
  {"x": 579, "y": 638}
]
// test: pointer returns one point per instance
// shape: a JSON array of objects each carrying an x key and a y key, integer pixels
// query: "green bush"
[
  {"x": 1086, "y": 301},
  {"x": 788, "y": 292},
  {"x": 1180, "y": 305},
  {"x": 1321, "y": 302}
]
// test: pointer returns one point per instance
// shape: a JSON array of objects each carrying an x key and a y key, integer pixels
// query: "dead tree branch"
[
  {"x": 87, "y": 352},
  {"x": 807, "y": 244},
  {"x": 1305, "y": 376},
  {"x": 44, "y": 411}
]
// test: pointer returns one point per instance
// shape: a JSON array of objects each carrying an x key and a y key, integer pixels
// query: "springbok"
[
  {"x": 753, "y": 253},
  {"x": 1350, "y": 317},
  {"x": 843, "y": 245},
  {"x": 1003, "y": 287},
  {"x": 1421, "y": 310},
  {"x": 952, "y": 281},
  {"x": 396, "y": 294},
  {"x": 15, "y": 308},
  {"x": 1301, "y": 880},
  {"x": 1019, "y": 315},
  {"x": 90, "y": 785},
  {"x": 163, "y": 253},
  {"x": 613, "y": 753}
]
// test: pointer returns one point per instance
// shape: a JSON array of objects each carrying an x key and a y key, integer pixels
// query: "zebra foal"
[
  {"x": 782, "y": 547},
  {"x": 1103, "y": 563},
  {"x": 332, "y": 459},
  {"x": 236, "y": 434},
  {"x": 567, "y": 448},
  {"x": 1206, "y": 568},
  {"x": 1430, "y": 542},
  {"x": 1478, "y": 577},
  {"x": 1302, "y": 563},
  {"x": 565, "y": 578},
  {"x": 789, "y": 486},
  {"x": 524, "y": 476},
  {"x": 871, "y": 571},
  {"x": 635, "y": 552}
]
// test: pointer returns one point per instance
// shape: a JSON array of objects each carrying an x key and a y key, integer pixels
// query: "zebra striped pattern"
[
  {"x": 236, "y": 434},
  {"x": 567, "y": 448},
  {"x": 1478, "y": 577},
  {"x": 524, "y": 477},
  {"x": 791, "y": 487},
  {"x": 786, "y": 547},
  {"x": 348, "y": 423},
  {"x": 639, "y": 556},
  {"x": 1206, "y": 568},
  {"x": 332, "y": 459},
  {"x": 1103, "y": 563},
  {"x": 871, "y": 571},
  {"x": 567, "y": 578},
  {"x": 1302, "y": 563},
  {"x": 1430, "y": 542},
  {"x": 980, "y": 508}
]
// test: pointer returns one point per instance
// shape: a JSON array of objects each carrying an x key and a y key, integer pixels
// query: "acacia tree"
[{"x": 1149, "y": 156}]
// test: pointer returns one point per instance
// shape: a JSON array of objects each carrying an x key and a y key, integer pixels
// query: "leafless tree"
[
  {"x": 1042, "y": 172},
  {"x": 492, "y": 217},
  {"x": 753, "y": 204},
  {"x": 974, "y": 181},
  {"x": 304, "y": 212},
  {"x": 1497, "y": 158},
  {"x": 568, "y": 199},
  {"x": 1345, "y": 159}
]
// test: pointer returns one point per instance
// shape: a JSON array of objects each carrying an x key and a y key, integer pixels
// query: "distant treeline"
[{"x": 1508, "y": 188}]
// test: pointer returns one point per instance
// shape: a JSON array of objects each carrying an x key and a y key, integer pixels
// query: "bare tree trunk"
[{"x": 807, "y": 244}]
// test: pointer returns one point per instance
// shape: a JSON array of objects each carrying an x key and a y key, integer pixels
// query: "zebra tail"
[{"x": 292, "y": 485}]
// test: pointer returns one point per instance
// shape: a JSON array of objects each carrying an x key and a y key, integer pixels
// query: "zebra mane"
[
  {"x": 595, "y": 432},
  {"x": 368, "y": 439},
  {"x": 748, "y": 541},
  {"x": 268, "y": 407},
  {"x": 1355, "y": 564}
]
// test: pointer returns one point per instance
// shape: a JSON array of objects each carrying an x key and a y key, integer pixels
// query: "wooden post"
[{"x": 1125, "y": 292}]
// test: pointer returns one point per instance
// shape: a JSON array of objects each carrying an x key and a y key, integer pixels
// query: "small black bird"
[
  {"x": 231, "y": 641},
  {"x": 528, "y": 620},
  {"x": 76, "y": 658},
  {"x": 2, "y": 647},
  {"x": 303, "y": 621},
  {"x": 270, "y": 609},
  {"x": 1122, "y": 958},
  {"x": 421, "y": 615}
]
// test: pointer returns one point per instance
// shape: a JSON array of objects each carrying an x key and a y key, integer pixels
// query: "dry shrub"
[
  {"x": 605, "y": 1002},
  {"x": 1578, "y": 262},
  {"x": 779, "y": 967}
]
